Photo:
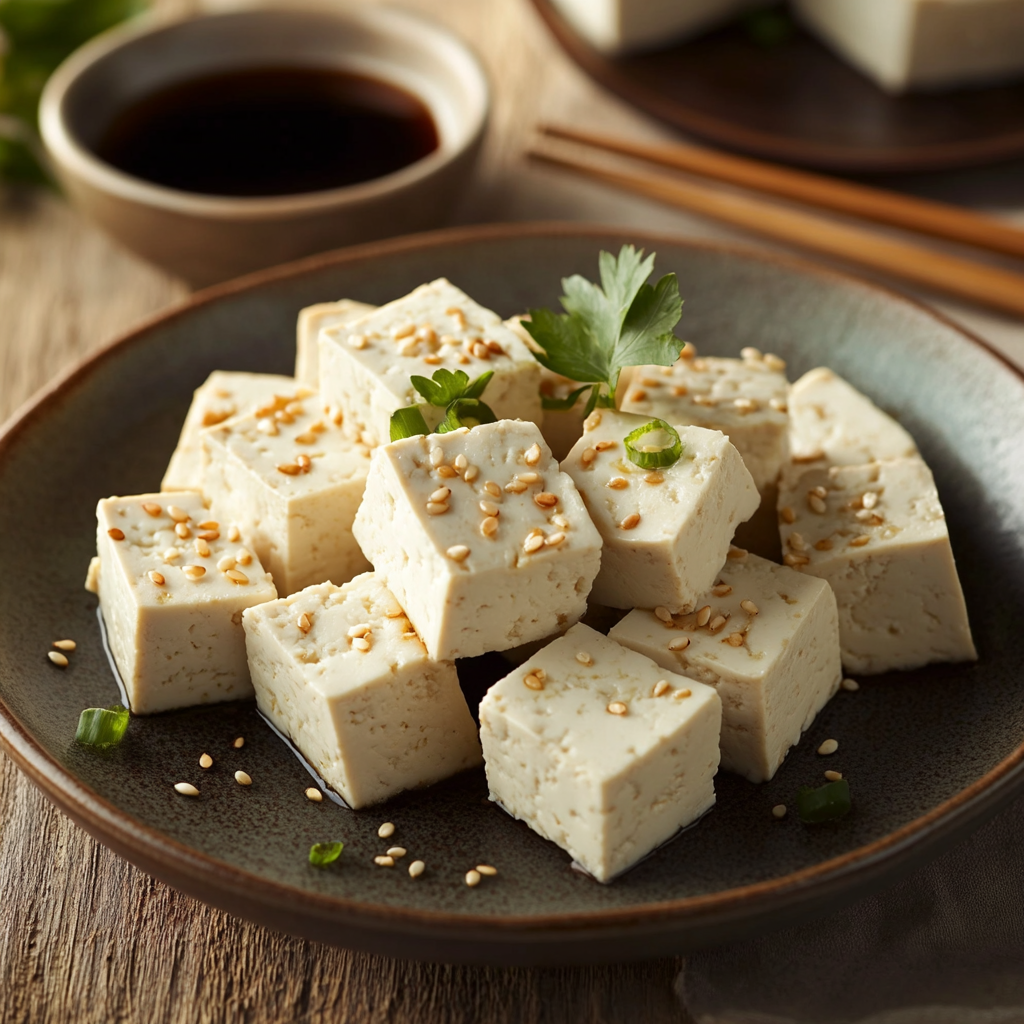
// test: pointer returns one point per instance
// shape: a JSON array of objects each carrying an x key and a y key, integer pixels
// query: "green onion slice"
[
  {"x": 655, "y": 445},
  {"x": 408, "y": 422},
  {"x": 826, "y": 803},
  {"x": 102, "y": 727},
  {"x": 323, "y": 854},
  {"x": 465, "y": 412}
]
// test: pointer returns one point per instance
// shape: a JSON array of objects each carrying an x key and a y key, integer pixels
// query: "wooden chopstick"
[
  {"x": 931, "y": 218},
  {"x": 989, "y": 286}
]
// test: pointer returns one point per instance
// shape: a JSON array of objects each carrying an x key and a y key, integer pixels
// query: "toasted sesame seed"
[
  {"x": 663, "y": 613},
  {"x": 239, "y": 743},
  {"x": 850, "y": 684},
  {"x": 361, "y": 644},
  {"x": 237, "y": 576},
  {"x": 617, "y": 483},
  {"x": 819, "y": 491},
  {"x": 492, "y": 489},
  {"x": 773, "y": 362},
  {"x": 859, "y": 542},
  {"x": 480, "y": 350},
  {"x": 314, "y": 794},
  {"x": 833, "y": 776},
  {"x": 787, "y": 515},
  {"x": 630, "y": 521},
  {"x": 869, "y": 499},
  {"x": 679, "y": 644},
  {"x": 182, "y": 530},
  {"x": 226, "y": 562},
  {"x": 384, "y": 861},
  {"x": 751, "y": 354},
  {"x": 305, "y": 623},
  {"x": 307, "y": 437},
  {"x": 532, "y": 455},
  {"x": 682, "y": 694},
  {"x": 661, "y": 687},
  {"x": 495, "y": 347},
  {"x": 486, "y": 869},
  {"x": 471, "y": 474},
  {"x": 583, "y": 658},
  {"x": 65, "y": 645},
  {"x": 441, "y": 494},
  {"x": 735, "y": 553},
  {"x": 397, "y": 852},
  {"x": 721, "y": 590},
  {"x": 359, "y": 630},
  {"x": 304, "y": 463},
  {"x": 416, "y": 868},
  {"x": 472, "y": 878},
  {"x": 816, "y": 504},
  {"x": 530, "y": 477},
  {"x": 243, "y": 778},
  {"x": 717, "y": 623},
  {"x": 705, "y": 400},
  {"x": 532, "y": 681},
  {"x": 680, "y": 391},
  {"x": 778, "y": 404},
  {"x": 745, "y": 405},
  {"x": 515, "y": 486},
  {"x": 639, "y": 395},
  {"x": 794, "y": 560},
  {"x": 386, "y": 830},
  {"x": 436, "y": 508},
  {"x": 209, "y": 535},
  {"x": 403, "y": 331},
  {"x": 617, "y": 707},
  {"x": 588, "y": 456},
  {"x": 735, "y": 639},
  {"x": 593, "y": 421},
  {"x": 436, "y": 456},
  {"x": 151, "y": 508},
  {"x": 825, "y": 544},
  {"x": 115, "y": 534},
  {"x": 828, "y": 747},
  {"x": 560, "y": 520},
  {"x": 779, "y": 811},
  {"x": 654, "y": 478},
  {"x": 202, "y": 548},
  {"x": 554, "y": 539},
  {"x": 796, "y": 541},
  {"x": 357, "y": 340},
  {"x": 156, "y": 577},
  {"x": 179, "y": 515},
  {"x": 210, "y": 524},
  {"x": 57, "y": 658},
  {"x": 194, "y": 572},
  {"x": 186, "y": 789},
  {"x": 458, "y": 552},
  {"x": 234, "y": 535},
  {"x": 489, "y": 526},
  {"x": 171, "y": 555},
  {"x": 489, "y": 508},
  {"x": 545, "y": 499},
  {"x": 603, "y": 446},
  {"x": 804, "y": 457},
  {"x": 533, "y": 543},
  {"x": 242, "y": 556},
  {"x": 704, "y": 615},
  {"x": 205, "y": 761}
]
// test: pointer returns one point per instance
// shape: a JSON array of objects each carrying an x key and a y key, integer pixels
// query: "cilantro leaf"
[
  {"x": 453, "y": 392},
  {"x": 447, "y": 387},
  {"x": 465, "y": 412},
  {"x": 408, "y": 422},
  {"x": 562, "y": 404}
]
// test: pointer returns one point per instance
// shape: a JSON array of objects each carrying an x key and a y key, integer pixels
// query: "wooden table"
[{"x": 86, "y": 937}]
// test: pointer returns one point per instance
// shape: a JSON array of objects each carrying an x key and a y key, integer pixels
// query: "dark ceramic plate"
[
  {"x": 798, "y": 103},
  {"x": 928, "y": 754}
]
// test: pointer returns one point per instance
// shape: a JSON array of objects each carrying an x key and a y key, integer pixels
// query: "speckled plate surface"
[{"x": 928, "y": 754}]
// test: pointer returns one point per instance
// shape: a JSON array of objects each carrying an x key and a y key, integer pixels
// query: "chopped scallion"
[
  {"x": 655, "y": 445},
  {"x": 826, "y": 803},
  {"x": 323, "y": 854},
  {"x": 102, "y": 727}
]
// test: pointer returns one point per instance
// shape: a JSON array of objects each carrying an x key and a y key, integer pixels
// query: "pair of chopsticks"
[{"x": 978, "y": 282}]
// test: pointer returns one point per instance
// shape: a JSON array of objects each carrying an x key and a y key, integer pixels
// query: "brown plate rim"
[
  {"x": 766, "y": 145},
  {"x": 167, "y": 857}
]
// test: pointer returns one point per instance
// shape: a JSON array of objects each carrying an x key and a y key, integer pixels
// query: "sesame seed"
[
  {"x": 202, "y": 548},
  {"x": 735, "y": 553},
  {"x": 461, "y": 462},
  {"x": 828, "y": 747},
  {"x": 588, "y": 456},
  {"x": 773, "y": 362},
  {"x": 186, "y": 789},
  {"x": 495, "y": 347},
  {"x": 472, "y": 878},
  {"x": 515, "y": 486},
  {"x": 469, "y": 476},
  {"x": 859, "y": 542},
  {"x": 617, "y": 708},
  {"x": 533, "y": 543},
  {"x": 486, "y": 869},
  {"x": 583, "y": 658},
  {"x": 869, "y": 499},
  {"x": 850, "y": 684},
  {"x": 554, "y": 539},
  {"x": 361, "y": 644},
  {"x": 489, "y": 527},
  {"x": 734, "y": 639},
  {"x": 243, "y": 778},
  {"x": 179, "y": 515},
  {"x": 603, "y": 446},
  {"x": 532, "y": 681},
  {"x": 357, "y": 340},
  {"x": 778, "y": 404},
  {"x": 833, "y": 776},
  {"x": 530, "y": 477},
  {"x": 661, "y": 687},
  {"x": 205, "y": 761},
  {"x": 314, "y": 794},
  {"x": 745, "y": 405},
  {"x": 436, "y": 456},
  {"x": 796, "y": 541},
  {"x": 436, "y": 508},
  {"x": 804, "y": 457},
  {"x": 182, "y": 530},
  {"x": 654, "y": 478},
  {"x": 630, "y": 521},
  {"x": 663, "y": 613},
  {"x": 397, "y": 852},
  {"x": 233, "y": 534},
  {"x": 305, "y": 623},
  {"x": 403, "y": 331},
  {"x": 679, "y": 644},
  {"x": 57, "y": 658},
  {"x": 545, "y": 499},
  {"x": 386, "y": 830},
  {"x": 210, "y": 524},
  {"x": 308, "y": 437},
  {"x": 156, "y": 577},
  {"x": 819, "y": 491},
  {"x": 560, "y": 520},
  {"x": 489, "y": 508},
  {"x": 680, "y": 391},
  {"x": 816, "y": 504},
  {"x": 416, "y": 868},
  {"x": 639, "y": 395},
  {"x": 825, "y": 544},
  {"x": 480, "y": 350},
  {"x": 794, "y": 560},
  {"x": 751, "y": 354},
  {"x": 492, "y": 489},
  {"x": 441, "y": 494},
  {"x": 304, "y": 463},
  {"x": 779, "y": 811},
  {"x": 787, "y": 515},
  {"x": 704, "y": 615},
  {"x": 151, "y": 508},
  {"x": 717, "y": 623},
  {"x": 237, "y": 576},
  {"x": 617, "y": 483},
  {"x": 194, "y": 572},
  {"x": 682, "y": 694},
  {"x": 593, "y": 421},
  {"x": 721, "y": 590},
  {"x": 242, "y": 556},
  {"x": 239, "y": 743},
  {"x": 749, "y": 607},
  {"x": 384, "y": 862},
  {"x": 226, "y": 562},
  {"x": 65, "y": 645},
  {"x": 458, "y": 552},
  {"x": 115, "y": 534},
  {"x": 532, "y": 456}
]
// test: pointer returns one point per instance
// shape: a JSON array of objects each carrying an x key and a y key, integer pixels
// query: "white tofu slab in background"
[
  {"x": 877, "y": 534},
  {"x": 173, "y": 616},
  {"x": 311, "y": 321},
  {"x": 666, "y": 532},
  {"x": 484, "y": 542},
  {"x": 366, "y": 366},
  {"x": 770, "y": 647},
  {"x": 342, "y": 673},
  {"x": 607, "y": 787}
]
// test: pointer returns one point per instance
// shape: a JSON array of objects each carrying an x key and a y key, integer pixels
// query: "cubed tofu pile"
[{"x": 297, "y": 553}]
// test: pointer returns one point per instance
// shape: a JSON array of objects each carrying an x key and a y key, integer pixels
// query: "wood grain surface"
[{"x": 84, "y": 937}]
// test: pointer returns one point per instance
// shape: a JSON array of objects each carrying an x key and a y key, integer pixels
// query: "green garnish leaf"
[
  {"x": 622, "y": 322},
  {"x": 654, "y": 445},
  {"x": 447, "y": 387},
  {"x": 826, "y": 803},
  {"x": 408, "y": 422},
  {"x": 102, "y": 728},
  {"x": 465, "y": 412},
  {"x": 321, "y": 855},
  {"x": 562, "y": 404}
]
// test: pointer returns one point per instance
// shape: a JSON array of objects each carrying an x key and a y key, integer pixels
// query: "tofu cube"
[
  {"x": 746, "y": 399},
  {"x": 366, "y": 365},
  {"x": 224, "y": 394},
  {"x": 877, "y": 534},
  {"x": 767, "y": 639},
  {"x": 483, "y": 541},
  {"x": 312, "y": 320},
  {"x": 666, "y": 532},
  {"x": 341, "y": 672},
  {"x": 173, "y": 585},
  {"x": 292, "y": 480},
  {"x": 600, "y": 750}
]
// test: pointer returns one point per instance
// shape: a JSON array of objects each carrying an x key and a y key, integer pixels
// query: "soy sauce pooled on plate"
[{"x": 270, "y": 132}]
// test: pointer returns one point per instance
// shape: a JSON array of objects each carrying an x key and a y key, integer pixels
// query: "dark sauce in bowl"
[{"x": 270, "y": 132}]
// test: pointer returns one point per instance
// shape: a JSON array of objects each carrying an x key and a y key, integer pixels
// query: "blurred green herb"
[
  {"x": 769, "y": 27},
  {"x": 35, "y": 36}
]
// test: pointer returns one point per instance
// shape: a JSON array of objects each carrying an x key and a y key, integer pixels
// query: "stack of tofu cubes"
[{"x": 297, "y": 553}]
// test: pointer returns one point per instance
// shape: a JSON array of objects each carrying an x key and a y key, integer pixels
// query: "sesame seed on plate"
[
  {"x": 489, "y": 508},
  {"x": 243, "y": 778},
  {"x": 193, "y": 572},
  {"x": 850, "y": 684},
  {"x": 617, "y": 483},
  {"x": 681, "y": 694},
  {"x": 779, "y": 811},
  {"x": 735, "y": 639},
  {"x": 533, "y": 543},
  {"x": 663, "y": 613},
  {"x": 532, "y": 455},
  {"x": 458, "y": 552},
  {"x": 721, "y": 590},
  {"x": 186, "y": 789},
  {"x": 471, "y": 473},
  {"x": 472, "y": 878},
  {"x": 486, "y": 869},
  {"x": 65, "y": 645},
  {"x": 202, "y": 548},
  {"x": 833, "y": 776},
  {"x": 384, "y": 861},
  {"x": 661, "y": 687},
  {"x": 828, "y": 747},
  {"x": 239, "y": 743},
  {"x": 717, "y": 623},
  {"x": 631, "y": 521},
  {"x": 205, "y": 761},
  {"x": 532, "y": 681},
  {"x": 436, "y": 456},
  {"x": 182, "y": 530},
  {"x": 583, "y": 658},
  {"x": 492, "y": 489},
  {"x": 441, "y": 494},
  {"x": 398, "y": 852},
  {"x": 461, "y": 462},
  {"x": 361, "y": 644},
  {"x": 704, "y": 615},
  {"x": 57, "y": 658},
  {"x": 436, "y": 508},
  {"x": 242, "y": 556},
  {"x": 489, "y": 526},
  {"x": 237, "y": 576},
  {"x": 603, "y": 446},
  {"x": 314, "y": 794},
  {"x": 416, "y": 868},
  {"x": 179, "y": 515},
  {"x": 588, "y": 456},
  {"x": 386, "y": 830},
  {"x": 151, "y": 508},
  {"x": 554, "y": 539},
  {"x": 156, "y": 577}
]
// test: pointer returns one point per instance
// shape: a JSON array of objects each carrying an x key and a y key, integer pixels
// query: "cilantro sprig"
[
  {"x": 623, "y": 321},
  {"x": 455, "y": 393}
]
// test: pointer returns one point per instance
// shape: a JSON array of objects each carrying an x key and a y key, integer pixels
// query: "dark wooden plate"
[
  {"x": 928, "y": 754},
  {"x": 796, "y": 102}
]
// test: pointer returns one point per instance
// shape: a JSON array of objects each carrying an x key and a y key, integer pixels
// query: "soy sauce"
[{"x": 270, "y": 132}]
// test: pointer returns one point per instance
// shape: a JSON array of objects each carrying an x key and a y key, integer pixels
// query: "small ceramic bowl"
[{"x": 205, "y": 238}]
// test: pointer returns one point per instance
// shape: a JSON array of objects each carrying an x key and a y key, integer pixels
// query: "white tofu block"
[
  {"x": 769, "y": 646},
  {"x": 173, "y": 616},
  {"x": 619, "y": 26},
  {"x": 224, "y": 394},
  {"x": 600, "y": 750},
  {"x": 877, "y": 534},
  {"x": 923, "y": 44},
  {"x": 366, "y": 365},
  {"x": 832, "y": 422},
  {"x": 483, "y": 541},
  {"x": 666, "y": 532},
  {"x": 341, "y": 672},
  {"x": 312, "y": 320},
  {"x": 746, "y": 399},
  {"x": 292, "y": 480}
]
